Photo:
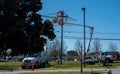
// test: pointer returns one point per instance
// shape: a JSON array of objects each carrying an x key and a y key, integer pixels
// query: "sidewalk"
[{"x": 35, "y": 71}]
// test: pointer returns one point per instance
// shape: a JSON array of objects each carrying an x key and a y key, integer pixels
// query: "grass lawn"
[
  {"x": 76, "y": 65},
  {"x": 9, "y": 65},
  {"x": 54, "y": 66}
]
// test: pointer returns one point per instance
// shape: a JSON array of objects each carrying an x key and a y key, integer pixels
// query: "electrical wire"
[
  {"x": 70, "y": 37},
  {"x": 103, "y": 33}
]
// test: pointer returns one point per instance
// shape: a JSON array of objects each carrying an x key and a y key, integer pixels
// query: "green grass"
[
  {"x": 54, "y": 66},
  {"x": 9, "y": 65},
  {"x": 76, "y": 65},
  {"x": 70, "y": 64}
]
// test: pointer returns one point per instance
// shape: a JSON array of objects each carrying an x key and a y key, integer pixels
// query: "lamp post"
[{"x": 83, "y": 9}]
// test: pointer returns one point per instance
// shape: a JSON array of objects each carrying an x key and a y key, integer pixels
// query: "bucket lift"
[
  {"x": 91, "y": 33},
  {"x": 57, "y": 18}
]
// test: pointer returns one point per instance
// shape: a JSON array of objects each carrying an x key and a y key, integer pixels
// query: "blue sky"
[{"x": 103, "y": 15}]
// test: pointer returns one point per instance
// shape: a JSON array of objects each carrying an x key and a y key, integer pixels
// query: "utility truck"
[
  {"x": 35, "y": 60},
  {"x": 106, "y": 57}
]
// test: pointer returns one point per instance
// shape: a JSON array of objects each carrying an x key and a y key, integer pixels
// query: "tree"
[
  {"x": 96, "y": 45},
  {"x": 21, "y": 27},
  {"x": 55, "y": 47},
  {"x": 77, "y": 47},
  {"x": 112, "y": 47},
  {"x": 71, "y": 54}
]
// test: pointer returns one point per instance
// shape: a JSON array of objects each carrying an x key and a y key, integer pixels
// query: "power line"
[
  {"x": 76, "y": 32},
  {"x": 69, "y": 37}
]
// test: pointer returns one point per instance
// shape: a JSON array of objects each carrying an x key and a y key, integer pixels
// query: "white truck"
[
  {"x": 106, "y": 57},
  {"x": 35, "y": 61}
]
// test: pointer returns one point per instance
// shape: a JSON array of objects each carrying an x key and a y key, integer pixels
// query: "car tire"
[{"x": 23, "y": 67}]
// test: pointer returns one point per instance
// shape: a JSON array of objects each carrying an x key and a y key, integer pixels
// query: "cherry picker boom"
[
  {"x": 91, "y": 32},
  {"x": 55, "y": 19}
]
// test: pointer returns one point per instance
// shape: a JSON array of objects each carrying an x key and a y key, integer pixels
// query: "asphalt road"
[
  {"x": 113, "y": 70},
  {"x": 36, "y": 71}
]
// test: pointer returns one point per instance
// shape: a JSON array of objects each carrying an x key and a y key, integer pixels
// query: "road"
[
  {"x": 114, "y": 71},
  {"x": 36, "y": 71}
]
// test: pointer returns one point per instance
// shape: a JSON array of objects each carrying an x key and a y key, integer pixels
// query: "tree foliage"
[
  {"x": 21, "y": 27},
  {"x": 72, "y": 53}
]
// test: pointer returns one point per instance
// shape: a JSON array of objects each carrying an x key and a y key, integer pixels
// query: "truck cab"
[{"x": 106, "y": 57}]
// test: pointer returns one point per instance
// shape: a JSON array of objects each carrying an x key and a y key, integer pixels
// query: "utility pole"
[
  {"x": 62, "y": 15},
  {"x": 61, "y": 23},
  {"x": 83, "y": 9}
]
